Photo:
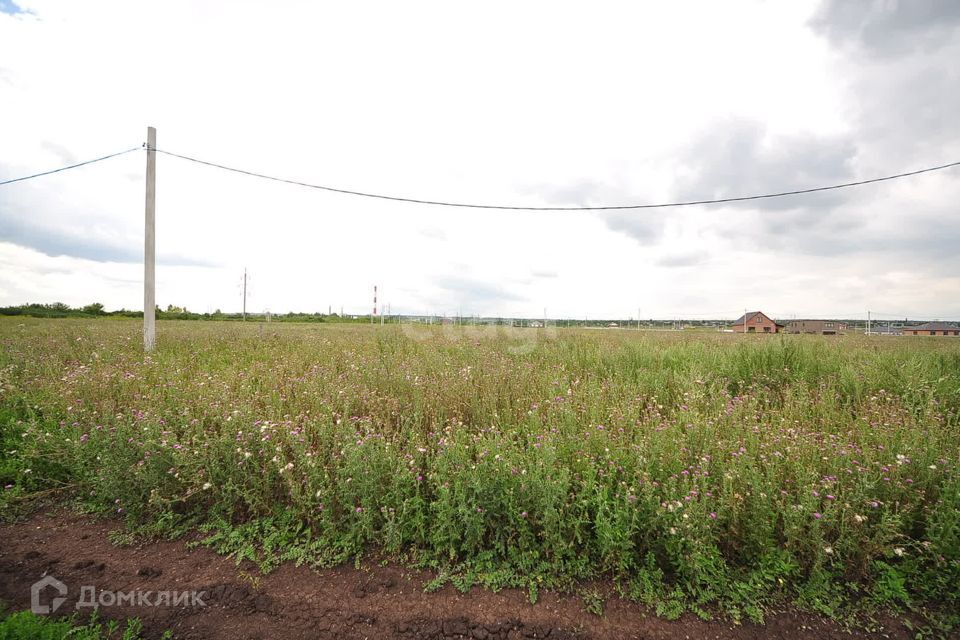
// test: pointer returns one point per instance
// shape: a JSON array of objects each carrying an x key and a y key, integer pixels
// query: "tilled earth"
[{"x": 343, "y": 603}]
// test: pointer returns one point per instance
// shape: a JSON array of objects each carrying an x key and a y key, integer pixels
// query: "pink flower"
[
  {"x": 817, "y": 515},
  {"x": 713, "y": 515}
]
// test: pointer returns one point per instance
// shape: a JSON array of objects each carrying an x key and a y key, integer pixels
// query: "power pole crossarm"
[{"x": 149, "y": 246}]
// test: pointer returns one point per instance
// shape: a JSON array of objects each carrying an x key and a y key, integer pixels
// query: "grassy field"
[{"x": 706, "y": 472}]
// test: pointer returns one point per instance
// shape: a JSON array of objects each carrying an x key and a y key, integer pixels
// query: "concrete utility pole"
[
  {"x": 868, "y": 323},
  {"x": 244, "y": 294},
  {"x": 150, "y": 246}
]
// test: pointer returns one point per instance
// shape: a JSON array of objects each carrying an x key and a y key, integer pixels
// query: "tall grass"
[{"x": 708, "y": 469}]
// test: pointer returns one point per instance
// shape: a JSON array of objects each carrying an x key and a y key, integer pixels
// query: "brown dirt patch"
[{"x": 342, "y": 603}]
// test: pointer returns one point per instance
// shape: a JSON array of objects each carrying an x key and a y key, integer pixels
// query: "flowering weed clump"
[{"x": 698, "y": 471}]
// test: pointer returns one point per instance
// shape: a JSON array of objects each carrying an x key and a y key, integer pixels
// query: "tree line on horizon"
[{"x": 172, "y": 312}]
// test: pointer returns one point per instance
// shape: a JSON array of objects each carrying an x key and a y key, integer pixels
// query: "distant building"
[
  {"x": 932, "y": 329},
  {"x": 821, "y": 327},
  {"x": 756, "y": 322}
]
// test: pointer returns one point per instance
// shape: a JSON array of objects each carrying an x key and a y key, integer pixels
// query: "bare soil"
[{"x": 344, "y": 603}]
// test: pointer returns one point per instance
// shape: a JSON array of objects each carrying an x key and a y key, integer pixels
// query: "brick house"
[
  {"x": 932, "y": 329},
  {"x": 756, "y": 322},
  {"x": 822, "y": 327}
]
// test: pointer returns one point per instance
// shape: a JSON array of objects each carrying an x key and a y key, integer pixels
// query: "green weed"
[{"x": 710, "y": 473}]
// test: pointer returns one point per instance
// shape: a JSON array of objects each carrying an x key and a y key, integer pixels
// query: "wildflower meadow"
[{"x": 699, "y": 471}]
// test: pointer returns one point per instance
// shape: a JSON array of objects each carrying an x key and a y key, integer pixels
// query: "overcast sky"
[{"x": 524, "y": 103}]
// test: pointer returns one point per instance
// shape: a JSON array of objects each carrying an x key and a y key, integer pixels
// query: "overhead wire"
[
  {"x": 72, "y": 166},
  {"x": 468, "y": 205}
]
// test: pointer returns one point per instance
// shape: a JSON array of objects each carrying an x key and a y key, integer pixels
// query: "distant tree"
[{"x": 95, "y": 309}]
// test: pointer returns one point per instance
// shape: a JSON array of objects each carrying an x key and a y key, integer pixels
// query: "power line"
[
  {"x": 521, "y": 208},
  {"x": 72, "y": 166},
  {"x": 442, "y": 203}
]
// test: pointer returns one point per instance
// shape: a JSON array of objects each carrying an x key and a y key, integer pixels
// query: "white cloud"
[{"x": 540, "y": 103}]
